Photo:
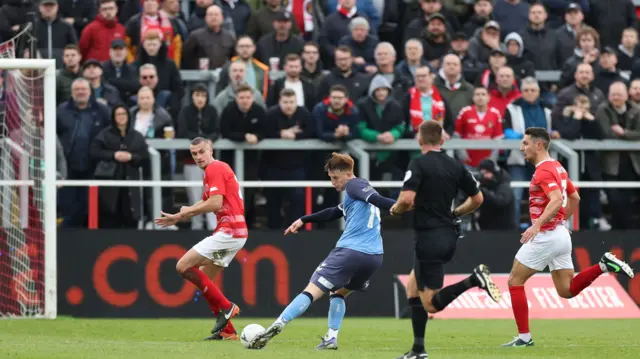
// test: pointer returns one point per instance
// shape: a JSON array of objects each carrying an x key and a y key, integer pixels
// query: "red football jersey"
[
  {"x": 469, "y": 125},
  {"x": 549, "y": 176},
  {"x": 220, "y": 179}
]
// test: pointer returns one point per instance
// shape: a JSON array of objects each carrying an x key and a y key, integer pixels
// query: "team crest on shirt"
[{"x": 480, "y": 128}]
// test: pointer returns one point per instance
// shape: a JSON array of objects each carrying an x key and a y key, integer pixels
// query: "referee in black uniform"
[{"x": 430, "y": 186}]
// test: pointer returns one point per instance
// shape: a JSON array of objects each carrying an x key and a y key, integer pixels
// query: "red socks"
[
  {"x": 210, "y": 292},
  {"x": 584, "y": 279},
  {"x": 520, "y": 308}
]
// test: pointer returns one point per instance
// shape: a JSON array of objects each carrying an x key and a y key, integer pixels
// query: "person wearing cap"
[
  {"x": 558, "y": 10},
  {"x": 118, "y": 73},
  {"x": 511, "y": 15},
  {"x": 471, "y": 68},
  {"x": 566, "y": 34},
  {"x": 435, "y": 40},
  {"x": 416, "y": 26},
  {"x": 53, "y": 33},
  {"x": 279, "y": 43},
  {"x": 96, "y": 38},
  {"x": 497, "y": 209},
  {"x": 481, "y": 15},
  {"x": 485, "y": 41},
  {"x": 261, "y": 22},
  {"x": 497, "y": 60},
  {"x": 102, "y": 92},
  {"x": 608, "y": 72}
]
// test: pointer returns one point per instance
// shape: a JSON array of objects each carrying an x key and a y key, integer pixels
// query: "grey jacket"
[{"x": 607, "y": 117}]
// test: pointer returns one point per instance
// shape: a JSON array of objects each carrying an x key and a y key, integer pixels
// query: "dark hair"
[
  {"x": 198, "y": 140},
  {"x": 339, "y": 162},
  {"x": 71, "y": 47},
  {"x": 344, "y": 48},
  {"x": 539, "y": 134},
  {"x": 113, "y": 114},
  {"x": 242, "y": 37},
  {"x": 106, "y": 1},
  {"x": 538, "y": 3},
  {"x": 287, "y": 93},
  {"x": 244, "y": 88},
  {"x": 199, "y": 87},
  {"x": 311, "y": 43},
  {"x": 339, "y": 88},
  {"x": 292, "y": 57},
  {"x": 480, "y": 87},
  {"x": 431, "y": 133}
]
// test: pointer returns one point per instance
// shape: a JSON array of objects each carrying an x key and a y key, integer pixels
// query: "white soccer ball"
[{"x": 249, "y": 333}]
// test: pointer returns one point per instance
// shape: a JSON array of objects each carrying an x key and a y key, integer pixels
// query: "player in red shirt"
[
  {"x": 479, "y": 122},
  {"x": 222, "y": 196},
  {"x": 552, "y": 199}
]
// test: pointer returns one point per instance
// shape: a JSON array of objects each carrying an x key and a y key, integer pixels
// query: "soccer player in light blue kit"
[{"x": 348, "y": 267}]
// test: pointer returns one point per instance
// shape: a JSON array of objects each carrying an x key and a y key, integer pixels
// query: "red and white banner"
[{"x": 604, "y": 298}]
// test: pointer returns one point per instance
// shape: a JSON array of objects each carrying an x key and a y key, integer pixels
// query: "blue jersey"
[{"x": 362, "y": 219}]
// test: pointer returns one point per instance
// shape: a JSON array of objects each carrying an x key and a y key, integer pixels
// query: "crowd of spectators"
[{"x": 347, "y": 69}]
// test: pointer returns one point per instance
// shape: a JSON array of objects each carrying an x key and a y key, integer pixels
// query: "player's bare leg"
[
  {"x": 297, "y": 307},
  {"x": 519, "y": 275},
  {"x": 189, "y": 268},
  {"x": 337, "y": 309},
  {"x": 229, "y": 332}
]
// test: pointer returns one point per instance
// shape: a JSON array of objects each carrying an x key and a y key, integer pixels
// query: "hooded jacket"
[
  {"x": 103, "y": 148},
  {"x": 521, "y": 66},
  {"x": 96, "y": 38},
  {"x": 377, "y": 118}
]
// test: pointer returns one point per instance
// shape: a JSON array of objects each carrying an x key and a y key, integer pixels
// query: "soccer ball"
[{"x": 249, "y": 333}]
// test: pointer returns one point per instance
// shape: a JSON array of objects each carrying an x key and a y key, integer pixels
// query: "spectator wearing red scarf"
[
  {"x": 151, "y": 19},
  {"x": 424, "y": 103}
]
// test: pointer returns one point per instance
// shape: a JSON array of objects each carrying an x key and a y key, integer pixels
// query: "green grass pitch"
[{"x": 359, "y": 338}]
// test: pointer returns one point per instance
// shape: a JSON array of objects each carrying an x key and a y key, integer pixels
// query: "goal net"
[{"x": 27, "y": 183}]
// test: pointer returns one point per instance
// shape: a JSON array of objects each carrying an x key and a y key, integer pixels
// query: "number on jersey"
[
  {"x": 239, "y": 189},
  {"x": 563, "y": 183},
  {"x": 375, "y": 212}
]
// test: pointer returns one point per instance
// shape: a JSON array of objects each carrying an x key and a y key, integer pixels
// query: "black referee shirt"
[{"x": 436, "y": 179}]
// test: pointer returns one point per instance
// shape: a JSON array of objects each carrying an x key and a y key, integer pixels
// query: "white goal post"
[{"x": 49, "y": 198}]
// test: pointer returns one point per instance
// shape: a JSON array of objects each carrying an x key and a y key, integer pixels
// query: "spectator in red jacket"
[
  {"x": 505, "y": 92},
  {"x": 96, "y": 38}
]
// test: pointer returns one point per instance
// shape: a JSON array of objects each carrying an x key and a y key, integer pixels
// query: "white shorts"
[
  {"x": 220, "y": 248},
  {"x": 551, "y": 248}
]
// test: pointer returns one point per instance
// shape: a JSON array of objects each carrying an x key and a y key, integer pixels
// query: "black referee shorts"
[{"x": 433, "y": 249}]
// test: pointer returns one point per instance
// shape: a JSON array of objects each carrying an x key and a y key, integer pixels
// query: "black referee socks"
[
  {"x": 419, "y": 318},
  {"x": 448, "y": 294}
]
